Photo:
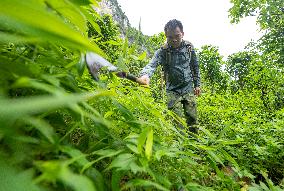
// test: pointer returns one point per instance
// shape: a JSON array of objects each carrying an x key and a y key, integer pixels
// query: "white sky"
[{"x": 204, "y": 21}]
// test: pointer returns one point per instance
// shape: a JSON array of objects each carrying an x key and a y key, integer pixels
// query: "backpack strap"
[
  {"x": 166, "y": 50},
  {"x": 189, "y": 47},
  {"x": 165, "y": 64}
]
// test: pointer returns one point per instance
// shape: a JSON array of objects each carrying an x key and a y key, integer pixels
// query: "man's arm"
[
  {"x": 150, "y": 68},
  {"x": 195, "y": 72}
]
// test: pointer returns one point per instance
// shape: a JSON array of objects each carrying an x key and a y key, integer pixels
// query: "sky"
[{"x": 205, "y": 21}]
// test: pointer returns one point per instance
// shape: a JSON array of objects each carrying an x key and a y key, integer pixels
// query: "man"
[{"x": 181, "y": 70}]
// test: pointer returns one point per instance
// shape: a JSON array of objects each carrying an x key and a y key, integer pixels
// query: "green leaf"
[
  {"x": 41, "y": 23},
  {"x": 84, "y": 2},
  {"x": 71, "y": 13},
  {"x": 263, "y": 186},
  {"x": 41, "y": 125},
  {"x": 107, "y": 152},
  {"x": 144, "y": 184},
  {"x": 108, "y": 114},
  {"x": 6, "y": 38},
  {"x": 161, "y": 179},
  {"x": 122, "y": 161},
  {"x": 230, "y": 159},
  {"x": 196, "y": 187},
  {"x": 127, "y": 114},
  {"x": 77, "y": 182},
  {"x": 12, "y": 179},
  {"x": 90, "y": 14},
  {"x": 115, "y": 180},
  {"x": 121, "y": 64},
  {"x": 81, "y": 65},
  {"x": 97, "y": 178},
  {"x": 27, "y": 82},
  {"x": 215, "y": 157},
  {"x": 149, "y": 144},
  {"x": 125, "y": 47},
  {"x": 142, "y": 138},
  {"x": 76, "y": 154},
  {"x": 160, "y": 153},
  {"x": 81, "y": 159},
  {"x": 14, "y": 108},
  {"x": 134, "y": 167},
  {"x": 56, "y": 170},
  {"x": 104, "y": 154},
  {"x": 142, "y": 56},
  {"x": 112, "y": 42},
  {"x": 133, "y": 148},
  {"x": 212, "y": 137}
]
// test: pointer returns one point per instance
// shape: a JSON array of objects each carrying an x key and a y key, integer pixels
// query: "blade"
[{"x": 95, "y": 62}]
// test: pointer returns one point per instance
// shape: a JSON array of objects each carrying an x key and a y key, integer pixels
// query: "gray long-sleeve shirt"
[{"x": 180, "y": 67}]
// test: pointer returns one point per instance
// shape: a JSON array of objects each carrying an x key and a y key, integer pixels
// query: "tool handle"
[
  {"x": 131, "y": 77},
  {"x": 127, "y": 76}
]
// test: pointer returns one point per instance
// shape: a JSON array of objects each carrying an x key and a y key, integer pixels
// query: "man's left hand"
[{"x": 197, "y": 91}]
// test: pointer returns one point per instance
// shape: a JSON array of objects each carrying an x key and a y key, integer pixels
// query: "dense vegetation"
[{"x": 61, "y": 130}]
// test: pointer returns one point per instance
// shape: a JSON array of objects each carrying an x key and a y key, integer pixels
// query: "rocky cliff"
[{"x": 113, "y": 8}]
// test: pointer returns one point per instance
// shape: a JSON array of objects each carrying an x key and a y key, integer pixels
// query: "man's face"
[{"x": 174, "y": 37}]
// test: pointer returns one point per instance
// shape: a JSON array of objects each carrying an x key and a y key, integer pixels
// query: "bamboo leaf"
[
  {"x": 143, "y": 183},
  {"x": 142, "y": 138},
  {"x": 57, "y": 170},
  {"x": 41, "y": 125},
  {"x": 122, "y": 161},
  {"x": 12, "y": 179},
  {"x": 115, "y": 179},
  {"x": 142, "y": 56},
  {"x": 81, "y": 159},
  {"x": 81, "y": 65},
  {"x": 97, "y": 178},
  {"x": 149, "y": 144},
  {"x": 71, "y": 12},
  {"x": 13, "y": 16},
  {"x": 112, "y": 42},
  {"x": 6, "y": 38},
  {"x": 77, "y": 182},
  {"x": 18, "y": 107},
  {"x": 76, "y": 154},
  {"x": 215, "y": 157},
  {"x": 104, "y": 154},
  {"x": 83, "y": 2}
]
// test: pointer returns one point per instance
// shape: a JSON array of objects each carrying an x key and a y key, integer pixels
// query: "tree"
[
  {"x": 237, "y": 66},
  {"x": 107, "y": 37},
  {"x": 211, "y": 63},
  {"x": 270, "y": 17}
]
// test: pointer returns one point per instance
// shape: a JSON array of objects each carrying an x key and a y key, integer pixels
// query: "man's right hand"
[{"x": 143, "y": 80}]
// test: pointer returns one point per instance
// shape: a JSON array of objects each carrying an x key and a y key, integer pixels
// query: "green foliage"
[
  {"x": 60, "y": 130},
  {"x": 108, "y": 37},
  {"x": 238, "y": 66},
  {"x": 251, "y": 71},
  {"x": 246, "y": 121},
  {"x": 16, "y": 23},
  {"x": 270, "y": 19},
  {"x": 211, "y": 63}
]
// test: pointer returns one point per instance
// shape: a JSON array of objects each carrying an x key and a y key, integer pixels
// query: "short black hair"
[{"x": 173, "y": 24}]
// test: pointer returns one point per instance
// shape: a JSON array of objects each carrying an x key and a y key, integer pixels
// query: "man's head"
[{"x": 174, "y": 33}]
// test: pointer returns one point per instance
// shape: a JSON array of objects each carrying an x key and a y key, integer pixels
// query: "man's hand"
[
  {"x": 197, "y": 91},
  {"x": 143, "y": 80}
]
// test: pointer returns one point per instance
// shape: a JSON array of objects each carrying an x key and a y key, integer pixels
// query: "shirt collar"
[{"x": 182, "y": 44}]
